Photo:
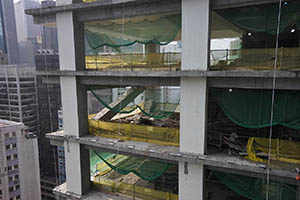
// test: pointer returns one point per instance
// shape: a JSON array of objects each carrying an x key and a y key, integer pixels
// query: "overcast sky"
[{"x": 19, "y": 0}]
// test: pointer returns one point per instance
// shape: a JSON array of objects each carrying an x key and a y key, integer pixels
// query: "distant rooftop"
[{"x": 4, "y": 123}]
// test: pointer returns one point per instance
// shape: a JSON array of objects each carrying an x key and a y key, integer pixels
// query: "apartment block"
[{"x": 19, "y": 162}]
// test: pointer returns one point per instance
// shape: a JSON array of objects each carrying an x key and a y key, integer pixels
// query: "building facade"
[
  {"x": 19, "y": 162},
  {"x": 18, "y": 95},
  {"x": 49, "y": 104},
  {"x": 8, "y": 33},
  {"x": 243, "y": 98}
]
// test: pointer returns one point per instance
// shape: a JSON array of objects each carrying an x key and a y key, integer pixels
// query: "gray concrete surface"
[
  {"x": 109, "y": 9},
  {"x": 61, "y": 193},
  {"x": 225, "y": 79},
  {"x": 216, "y": 161}
]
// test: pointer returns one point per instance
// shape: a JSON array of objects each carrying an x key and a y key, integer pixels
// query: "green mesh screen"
[
  {"x": 159, "y": 30},
  {"x": 143, "y": 168},
  {"x": 158, "y": 110},
  {"x": 256, "y": 188},
  {"x": 252, "y": 108},
  {"x": 94, "y": 159},
  {"x": 263, "y": 18}
]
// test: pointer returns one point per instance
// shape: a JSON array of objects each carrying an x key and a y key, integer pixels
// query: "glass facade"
[{"x": 2, "y": 36}]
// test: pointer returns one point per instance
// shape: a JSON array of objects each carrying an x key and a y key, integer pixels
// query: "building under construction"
[{"x": 217, "y": 117}]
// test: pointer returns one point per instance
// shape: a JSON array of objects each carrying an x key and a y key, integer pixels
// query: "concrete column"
[
  {"x": 195, "y": 56},
  {"x": 74, "y": 100}
]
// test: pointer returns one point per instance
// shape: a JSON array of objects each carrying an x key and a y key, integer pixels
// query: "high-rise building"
[
  {"x": 49, "y": 33},
  {"x": 18, "y": 95},
  {"x": 8, "y": 33},
  {"x": 28, "y": 33},
  {"x": 49, "y": 104},
  {"x": 26, "y": 29},
  {"x": 19, "y": 162}
]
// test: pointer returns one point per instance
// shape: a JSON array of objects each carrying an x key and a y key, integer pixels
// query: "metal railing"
[{"x": 226, "y": 59}]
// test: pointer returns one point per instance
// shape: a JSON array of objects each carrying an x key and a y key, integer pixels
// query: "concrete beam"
[
  {"x": 128, "y": 97},
  {"x": 107, "y": 9},
  {"x": 61, "y": 193},
  {"x": 176, "y": 74},
  {"x": 222, "y": 79},
  {"x": 111, "y": 9},
  {"x": 221, "y": 4},
  {"x": 220, "y": 161}
]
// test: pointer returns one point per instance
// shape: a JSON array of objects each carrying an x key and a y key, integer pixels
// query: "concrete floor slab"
[
  {"x": 62, "y": 193},
  {"x": 214, "y": 161}
]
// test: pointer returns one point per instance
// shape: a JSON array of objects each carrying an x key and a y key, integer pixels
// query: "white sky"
[{"x": 19, "y": 0}]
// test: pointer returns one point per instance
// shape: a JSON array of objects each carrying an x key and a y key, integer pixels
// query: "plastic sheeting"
[
  {"x": 252, "y": 108},
  {"x": 255, "y": 188},
  {"x": 263, "y": 18},
  {"x": 144, "y": 168},
  {"x": 160, "y": 30}
]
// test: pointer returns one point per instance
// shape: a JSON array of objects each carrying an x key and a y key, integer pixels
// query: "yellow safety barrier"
[
  {"x": 134, "y": 61},
  {"x": 141, "y": 133},
  {"x": 132, "y": 190},
  {"x": 255, "y": 59},
  {"x": 281, "y": 150},
  {"x": 241, "y": 59}
]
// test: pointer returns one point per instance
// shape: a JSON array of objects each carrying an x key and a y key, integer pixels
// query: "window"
[
  {"x": 6, "y": 135},
  {"x": 11, "y": 189},
  {"x": 14, "y": 145},
  {"x": 0, "y": 192},
  {"x": 8, "y": 157},
  {"x": 16, "y": 166},
  {"x": 18, "y": 197},
  {"x": 16, "y": 177},
  {"x": 7, "y": 147},
  {"x": 14, "y": 134},
  {"x": 9, "y": 168},
  {"x": 15, "y": 156},
  {"x": 10, "y": 178},
  {"x": 17, "y": 187}
]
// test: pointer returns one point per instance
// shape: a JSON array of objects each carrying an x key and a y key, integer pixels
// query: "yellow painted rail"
[
  {"x": 281, "y": 150},
  {"x": 238, "y": 59},
  {"x": 132, "y": 190},
  {"x": 141, "y": 133}
]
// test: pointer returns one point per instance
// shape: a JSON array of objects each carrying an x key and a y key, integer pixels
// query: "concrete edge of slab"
[{"x": 173, "y": 155}]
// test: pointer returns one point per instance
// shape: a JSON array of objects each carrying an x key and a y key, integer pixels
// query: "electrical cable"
[
  {"x": 273, "y": 98},
  {"x": 121, "y": 84}
]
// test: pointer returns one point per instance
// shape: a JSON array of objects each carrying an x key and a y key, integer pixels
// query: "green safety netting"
[
  {"x": 256, "y": 188},
  {"x": 159, "y": 30},
  {"x": 94, "y": 160},
  {"x": 263, "y": 18},
  {"x": 156, "y": 113},
  {"x": 252, "y": 108},
  {"x": 143, "y": 168}
]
